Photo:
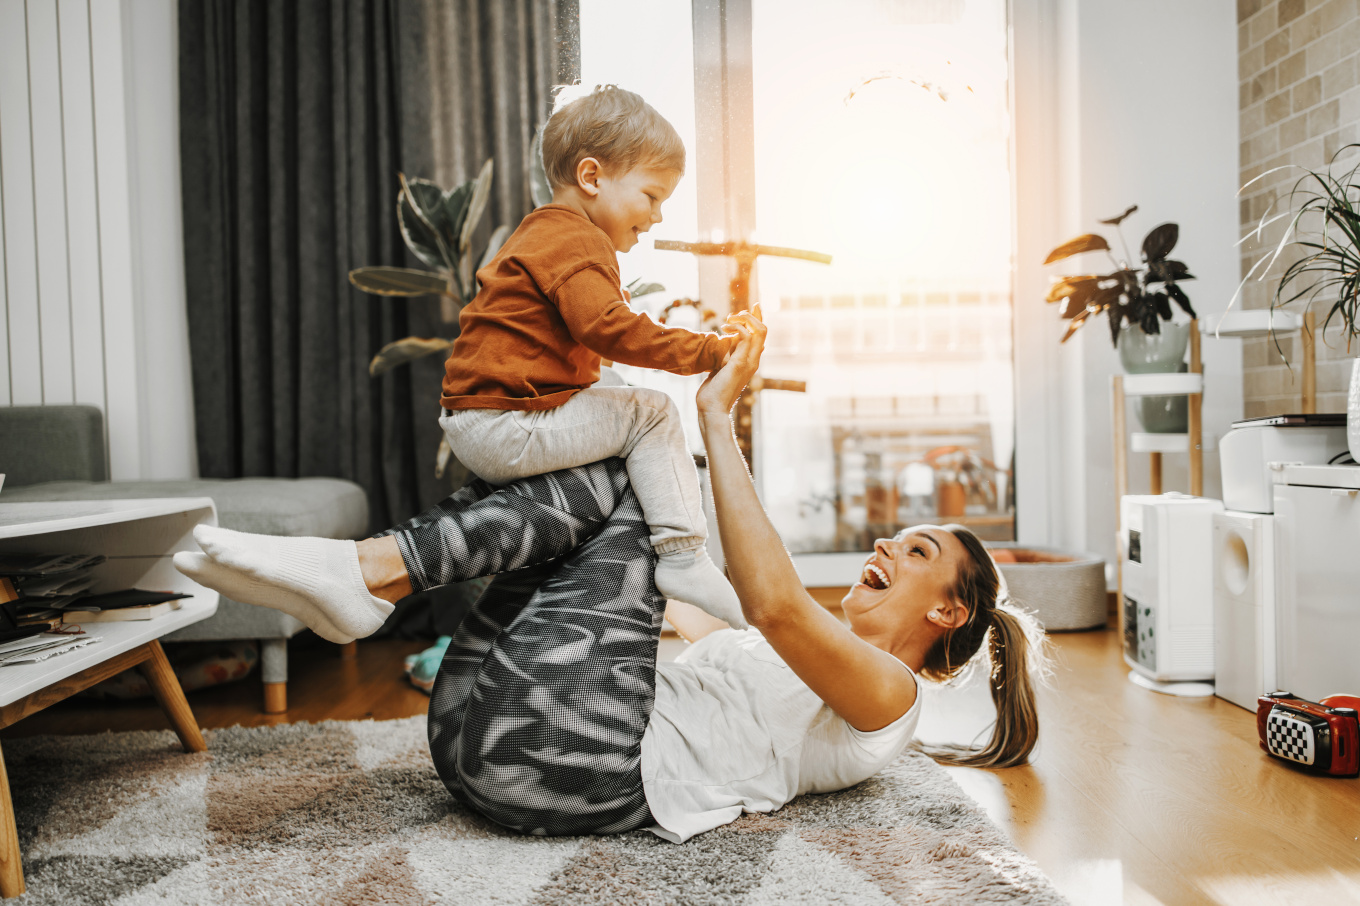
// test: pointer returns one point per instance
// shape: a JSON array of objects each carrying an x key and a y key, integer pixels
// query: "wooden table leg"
[
  {"x": 1121, "y": 487},
  {"x": 11, "y": 866},
  {"x": 165, "y": 685},
  {"x": 1155, "y": 473},
  {"x": 275, "y": 698}
]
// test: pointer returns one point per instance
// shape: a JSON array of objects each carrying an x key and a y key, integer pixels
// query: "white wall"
[
  {"x": 90, "y": 239},
  {"x": 166, "y": 412},
  {"x": 1140, "y": 106}
]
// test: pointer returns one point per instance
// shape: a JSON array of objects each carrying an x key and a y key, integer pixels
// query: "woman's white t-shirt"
[{"x": 735, "y": 730}]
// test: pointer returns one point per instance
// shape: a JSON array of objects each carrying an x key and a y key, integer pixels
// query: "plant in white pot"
[
  {"x": 1137, "y": 303},
  {"x": 1324, "y": 230}
]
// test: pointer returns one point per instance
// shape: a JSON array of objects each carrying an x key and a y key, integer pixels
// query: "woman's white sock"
[
  {"x": 692, "y": 577},
  {"x": 238, "y": 586},
  {"x": 323, "y": 572}
]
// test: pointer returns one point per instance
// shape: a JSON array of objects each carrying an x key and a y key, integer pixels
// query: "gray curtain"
[{"x": 296, "y": 118}]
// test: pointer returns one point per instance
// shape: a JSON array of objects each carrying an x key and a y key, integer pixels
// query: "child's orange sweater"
[{"x": 549, "y": 309}]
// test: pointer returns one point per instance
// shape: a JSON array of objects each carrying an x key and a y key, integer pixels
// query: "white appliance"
[
  {"x": 1253, "y": 452},
  {"x": 1244, "y": 606},
  {"x": 1317, "y": 580},
  {"x": 1168, "y": 583}
]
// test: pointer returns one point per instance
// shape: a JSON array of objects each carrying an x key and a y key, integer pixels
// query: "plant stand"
[
  {"x": 1259, "y": 322},
  {"x": 1123, "y": 386},
  {"x": 1191, "y": 385}
]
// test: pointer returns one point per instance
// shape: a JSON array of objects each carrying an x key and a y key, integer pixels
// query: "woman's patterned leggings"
[{"x": 538, "y": 711}]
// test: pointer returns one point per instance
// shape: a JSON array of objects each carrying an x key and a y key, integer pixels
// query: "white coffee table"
[{"x": 139, "y": 537}]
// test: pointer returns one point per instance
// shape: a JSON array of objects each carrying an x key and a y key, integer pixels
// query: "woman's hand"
[{"x": 719, "y": 392}]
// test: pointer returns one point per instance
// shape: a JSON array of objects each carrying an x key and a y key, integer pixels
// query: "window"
[
  {"x": 880, "y": 134},
  {"x": 648, "y": 48},
  {"x": 882, "y": 137}
]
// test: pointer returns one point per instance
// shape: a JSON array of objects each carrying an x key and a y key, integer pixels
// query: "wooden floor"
[
  {"x": 1137, "y": 797},
  {"x": 1132, "y": 796}
]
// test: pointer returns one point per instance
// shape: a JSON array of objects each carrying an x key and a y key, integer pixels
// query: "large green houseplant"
[{"x": 1323, "y": 232}]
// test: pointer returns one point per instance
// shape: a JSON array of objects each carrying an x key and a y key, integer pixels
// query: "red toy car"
[{"x": 1320, "y": 736}]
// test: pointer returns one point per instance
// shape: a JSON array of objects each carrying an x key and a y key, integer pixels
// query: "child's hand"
[
  {"x": 731, "y": 328},
  {"x": 736, "y": 319},
  {"x": 719, "y": 393}
]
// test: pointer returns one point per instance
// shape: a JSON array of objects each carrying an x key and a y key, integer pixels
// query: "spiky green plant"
[{"x": 1329, "y": 266}]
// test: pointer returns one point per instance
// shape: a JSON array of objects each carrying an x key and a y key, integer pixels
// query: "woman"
[{"x": 550, "y": 714}]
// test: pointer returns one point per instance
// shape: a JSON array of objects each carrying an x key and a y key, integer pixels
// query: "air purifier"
[
  {"x": 1244, "y": 606},
  {"x": 1168, "y": 587}
]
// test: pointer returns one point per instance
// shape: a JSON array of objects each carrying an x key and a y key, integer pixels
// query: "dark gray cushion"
[
  {"x": 51, "y": 443},
  {"x": 319, "y": 507}
]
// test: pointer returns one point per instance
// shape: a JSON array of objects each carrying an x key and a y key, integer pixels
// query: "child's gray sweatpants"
[{"x": 641, "y": 425}]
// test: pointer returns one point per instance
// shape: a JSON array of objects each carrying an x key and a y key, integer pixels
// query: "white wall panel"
[
  {"x": 49, "y": 202},
  {"x": 115, "y": 234},
  {"x": 82, "y": 209},
  {"x": 1183, "y": 170},
  {"x": 91, "y": 245},
  {"x": 1084, "y": 151},
  {"x": 16, "y": 168},
  {"x": 167, "y": 416},
  {"x": 4, "y": 296}
]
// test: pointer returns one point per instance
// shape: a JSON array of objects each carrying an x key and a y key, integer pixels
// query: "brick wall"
[{"x": 1300, "y": 102}]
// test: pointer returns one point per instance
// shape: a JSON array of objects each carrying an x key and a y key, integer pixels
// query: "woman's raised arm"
[{"x": 863, "y": 684}]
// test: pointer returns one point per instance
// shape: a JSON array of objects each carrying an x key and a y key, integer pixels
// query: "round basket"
[{"x": 1065, "y": 590}]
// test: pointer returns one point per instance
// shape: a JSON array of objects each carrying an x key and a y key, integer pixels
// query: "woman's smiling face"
[
  {"x": 628, "y": 203},
  {"x": 908, "y": 575}
]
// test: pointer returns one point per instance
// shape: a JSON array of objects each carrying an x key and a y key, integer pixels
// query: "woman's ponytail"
[{"x": 1015, "y": 653}]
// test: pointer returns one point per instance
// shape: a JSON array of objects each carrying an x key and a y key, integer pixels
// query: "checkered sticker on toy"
[{"x": 1291, "y": 738}]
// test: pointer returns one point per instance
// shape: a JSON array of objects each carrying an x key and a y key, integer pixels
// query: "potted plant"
[
  {"x": 1137, "y": 304},
  {"x": 1324, "y": 229},
  {"x": 962, "y": 476}
]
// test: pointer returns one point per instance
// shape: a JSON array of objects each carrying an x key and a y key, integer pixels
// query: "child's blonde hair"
[{"x": 616, "y": 127}]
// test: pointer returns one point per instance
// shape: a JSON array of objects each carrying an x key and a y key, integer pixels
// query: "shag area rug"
[{"x": 352, "y": 812}]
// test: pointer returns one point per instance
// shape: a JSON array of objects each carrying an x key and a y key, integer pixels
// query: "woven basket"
[{"x": 1065, "y": 590}]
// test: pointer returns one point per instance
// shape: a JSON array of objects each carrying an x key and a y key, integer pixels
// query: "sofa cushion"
[
  {"x": 51, "y": 443},
  {"x": 320, "y": 507}
]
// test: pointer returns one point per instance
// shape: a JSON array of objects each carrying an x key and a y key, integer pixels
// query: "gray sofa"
[{"x": 58, "y": 453}]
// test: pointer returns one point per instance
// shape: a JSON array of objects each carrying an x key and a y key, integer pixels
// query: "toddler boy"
[{"x": 520, "y": 391}]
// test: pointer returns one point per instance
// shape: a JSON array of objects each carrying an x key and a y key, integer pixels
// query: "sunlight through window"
[{"x": 882, "y": 137}]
